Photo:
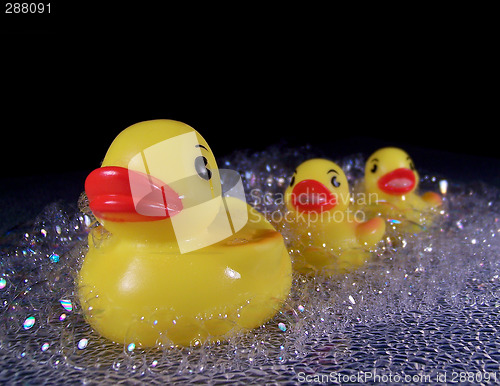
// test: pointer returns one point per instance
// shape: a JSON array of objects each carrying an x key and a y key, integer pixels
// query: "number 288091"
[{"x": 27, "y": 7}]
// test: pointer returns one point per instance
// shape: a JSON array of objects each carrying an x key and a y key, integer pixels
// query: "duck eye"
[
  {"x": 412, "y": 167},
  {"x": 200, "y": 164},
  {"x": 374, "y": 168},
  {"x": 335, "y": 182},
  {"x": 292, "y": 181}
]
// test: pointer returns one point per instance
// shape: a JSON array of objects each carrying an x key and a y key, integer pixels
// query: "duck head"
[
  {"x": 390, "y": 171},
  {"x": 317, "y": 185},
  {"x": 154, "y": 172}
]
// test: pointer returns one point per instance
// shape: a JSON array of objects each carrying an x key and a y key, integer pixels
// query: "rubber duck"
[
  {"x": 175, "y": 261},
  {"x": 391, "y": 180},
  {"x": 331, "y": 237}
]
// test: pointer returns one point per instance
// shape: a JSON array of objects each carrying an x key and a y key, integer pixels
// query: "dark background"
[
  {"x": 66, "y": 96},
  {"x": 62, "y": 107}
]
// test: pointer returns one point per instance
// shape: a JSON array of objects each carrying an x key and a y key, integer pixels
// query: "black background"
[
  {"x": 64, "y": 100},
  {"x": 348, "y": 80},
  {"x": 69, "y": 86}
]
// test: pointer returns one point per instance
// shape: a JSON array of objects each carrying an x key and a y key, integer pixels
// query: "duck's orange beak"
[
  {"x": 312, "y": 196},
  {"x": 397, "y": 182},
  {"x": 123, "y": 195}
]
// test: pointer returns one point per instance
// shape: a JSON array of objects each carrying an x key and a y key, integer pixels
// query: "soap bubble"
[
  {"x": 54, "y": 257},
  {"x": 83, "y": 343},
  {"x": 29, "y": 322},
  {"x": 67, "y": 305}
]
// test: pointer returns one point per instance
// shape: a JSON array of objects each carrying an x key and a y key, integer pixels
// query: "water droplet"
[
  {"x": 54, "y": 257},
  {"x": 301, "y": 308},
  {"x": 3, "y": 283},
  {"x": 351, "y": 299},
  {"x": 45, "y": 346},
  {"x": 29, "y": 322},
  {"x": 131, "y": 347},
  {"x": 231, "y": 273},
  {"x": 67, "y": 305},
  {"x": 282, "y": 326},
  {"x": 443, "y": 186},
  {"x": 83, "y": 343}
]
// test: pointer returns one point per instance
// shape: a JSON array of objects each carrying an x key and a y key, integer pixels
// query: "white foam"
[{"x": 410, "y": 310}]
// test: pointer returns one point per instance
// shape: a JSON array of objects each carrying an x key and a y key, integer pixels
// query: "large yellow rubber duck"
[
  {"x": 175, "y": 261},
  {"x": 332, "y": 238},
  {"x": 390, "y": 183}
]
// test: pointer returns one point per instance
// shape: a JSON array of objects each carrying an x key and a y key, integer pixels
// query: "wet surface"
[{"x": 424, "y": 307}]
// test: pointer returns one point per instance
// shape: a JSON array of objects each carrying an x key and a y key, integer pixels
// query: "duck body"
[
  {"x": 331, "y": 247},
  {"x": 150, "y": 294},
  {"x": 331, "y": 239},
  {"x": 181, "y": 264},
  {"x": 391, "y": 181}
]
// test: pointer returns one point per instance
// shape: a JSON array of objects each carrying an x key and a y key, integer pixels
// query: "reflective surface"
[{"x": 426, "y": 307}]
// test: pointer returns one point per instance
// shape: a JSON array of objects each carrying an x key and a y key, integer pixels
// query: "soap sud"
[{"x": 417, "y": 307}]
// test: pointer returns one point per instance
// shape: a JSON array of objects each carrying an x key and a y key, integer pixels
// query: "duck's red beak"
[
  {"x": 397, "y": 182},
  {"x": 312, "y": 196},
  {"x": 123, "y": 195}
]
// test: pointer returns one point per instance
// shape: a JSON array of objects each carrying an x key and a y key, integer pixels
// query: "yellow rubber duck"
[
  {"x": 175, "y": 261},
  {"x": 390, "y": 183},
  {"x": 331, "y": 237}
]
